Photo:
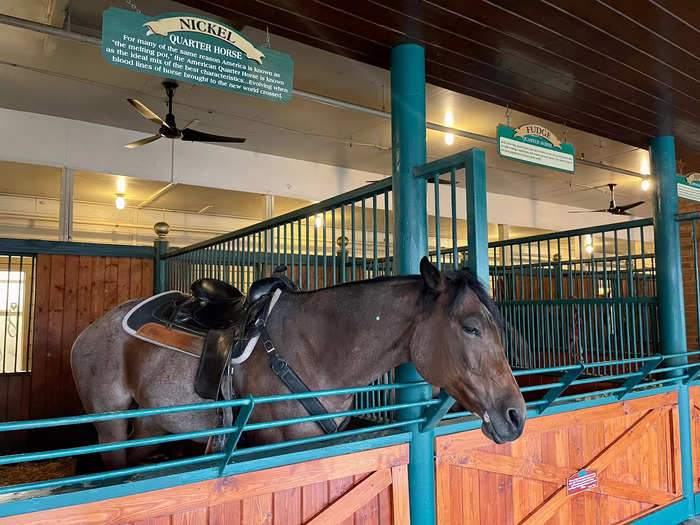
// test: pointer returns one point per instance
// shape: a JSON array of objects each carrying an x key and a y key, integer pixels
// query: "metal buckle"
[{"x": 269, "y": 347}]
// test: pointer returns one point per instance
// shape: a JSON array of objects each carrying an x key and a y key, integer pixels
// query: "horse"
[{"x": 445, "y": 323}]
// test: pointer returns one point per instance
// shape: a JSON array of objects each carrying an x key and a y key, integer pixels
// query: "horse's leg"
[
  {"x": 110, "y": 431},
  {"x": 143, "y": 428}
]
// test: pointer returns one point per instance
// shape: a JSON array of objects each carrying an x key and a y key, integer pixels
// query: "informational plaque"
[
  {"x": 688, "y": 190},
  {"x": 534, "y": 144},
  {"x": 195, "y": 49},
  {"x": 582, "y": 480}
]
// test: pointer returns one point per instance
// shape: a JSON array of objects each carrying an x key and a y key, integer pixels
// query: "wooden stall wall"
[
  {"x": 369, "y": 487},
  {"x": 632, "y": 445},
  {"x": 695, "y": 432},
  {"x": 71, "y": 292}
]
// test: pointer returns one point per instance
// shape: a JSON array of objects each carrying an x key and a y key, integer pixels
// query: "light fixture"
[
  {"x": 589, "y": 248},
  {"x": 644, "y": 169},
  {"x": 588, "y": 239},
  {"x": 449, "y": 139},
  {"x": 121, "y": 185},
  {"x": 120, "y": 202},
  {"x": 319, "y": 220},
  {"x": 449, "y": 118},
  {"x": 646, "y": 184}
]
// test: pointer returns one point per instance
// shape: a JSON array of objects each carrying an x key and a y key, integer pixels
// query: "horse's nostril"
[{"x": 514, "y": 418}]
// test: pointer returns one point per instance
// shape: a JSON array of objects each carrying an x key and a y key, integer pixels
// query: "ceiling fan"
[
  {"x": 612, "y": 207},
  {"x": 168, "y": 129}
]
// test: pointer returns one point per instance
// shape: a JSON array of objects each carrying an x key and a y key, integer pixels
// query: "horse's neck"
[{"x": 357, "y": 332}]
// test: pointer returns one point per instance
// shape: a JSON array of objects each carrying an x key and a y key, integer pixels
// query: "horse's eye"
[{"x": 471, "y": 330}]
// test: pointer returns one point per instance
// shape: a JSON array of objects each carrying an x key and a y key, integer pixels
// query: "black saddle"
[{"x": 231, "y": 321}]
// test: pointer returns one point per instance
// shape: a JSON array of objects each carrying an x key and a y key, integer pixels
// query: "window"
[{"x": 16, "y": 301}]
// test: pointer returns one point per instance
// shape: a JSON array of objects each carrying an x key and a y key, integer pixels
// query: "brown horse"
[{"x": 344, "y": 336}]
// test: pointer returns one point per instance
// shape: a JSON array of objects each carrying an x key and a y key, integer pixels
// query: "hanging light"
[
  {"x": 449, "y": 139},
  {"x": 588, "y": 239},
  {"x": 449, "y": 118},
  {"x": 644, "y": 169},
  {"x": 120, "y": 202},
  {"x": 319, "y": 220},
  {"x": 646, "y": 184},
  {"x": 589, "y": 248},
  {"x": 121, "y": 185}
]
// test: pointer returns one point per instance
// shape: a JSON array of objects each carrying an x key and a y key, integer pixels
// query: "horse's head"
[{"x": 457, "y": 346}]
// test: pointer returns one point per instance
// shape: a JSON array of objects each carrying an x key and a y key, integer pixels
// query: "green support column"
[
  {"x": 477, "y": 223},
  {"x": 669, "y": 279},
  {"x": 410, "y": 244}
]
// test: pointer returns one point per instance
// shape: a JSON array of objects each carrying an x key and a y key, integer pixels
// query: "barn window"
[{"x": 16, "y": 301}]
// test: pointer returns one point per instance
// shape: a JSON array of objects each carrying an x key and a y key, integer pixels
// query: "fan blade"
[
  {"x": 193, "y": 121},
  {"x": 145, "y": 112},
  {"x": 591, "y": 211},
  {"x": 630, "y": 206},
  {"x": 199, "y": 136},
  {"x": 141, "y": 142}
]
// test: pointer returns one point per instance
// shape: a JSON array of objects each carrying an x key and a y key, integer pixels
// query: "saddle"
[{"x": 214, "y": 323}]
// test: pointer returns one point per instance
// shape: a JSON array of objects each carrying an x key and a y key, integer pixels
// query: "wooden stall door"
[
  {"x": 71, "y": 291},
  {"x": 632, "y": 446},
  {"x": 368, "y": 487}
]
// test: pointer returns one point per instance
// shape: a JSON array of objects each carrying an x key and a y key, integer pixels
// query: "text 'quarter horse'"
[{"x": 338, "y": 337}]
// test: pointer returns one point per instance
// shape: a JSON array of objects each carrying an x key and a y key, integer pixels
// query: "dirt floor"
[{"x": 37, "y": 471}]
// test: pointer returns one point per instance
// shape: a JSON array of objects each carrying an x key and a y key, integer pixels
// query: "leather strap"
[{"x": 294, "y": 383}]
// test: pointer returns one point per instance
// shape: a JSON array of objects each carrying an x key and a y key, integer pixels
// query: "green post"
[
  {"x": 477, "y": 218},
  {"x": 410, "y": 244},
  {"x": 160, "y": 267},
  {"x": 669, "y": 278}
]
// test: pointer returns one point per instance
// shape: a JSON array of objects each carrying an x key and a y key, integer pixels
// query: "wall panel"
[
  {"x": 629, "y": 444},
  {"x": 71, "y": 292}
]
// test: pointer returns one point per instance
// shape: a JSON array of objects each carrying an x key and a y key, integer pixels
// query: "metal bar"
[
  {"x": 232, "y": 439},
  {"x": 565, "y": 381},
  {"x": 436, "y": 412},
  {"x": 643, "y": 372}
]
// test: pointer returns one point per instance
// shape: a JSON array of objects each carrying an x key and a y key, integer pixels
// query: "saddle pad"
[{"x": 141, "y": 323}]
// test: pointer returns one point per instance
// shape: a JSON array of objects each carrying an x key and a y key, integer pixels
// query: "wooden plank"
[
  {"x": 84, "y": 292},
  {"x": 219, "y": 491},
  {"x": 443, "y": 490},
  {"x": 161, "y": 520},
  {"x": 576, "y": 458},
  {"x": 135, "y": 278},
  {"x": 457, "y": 489},
  {"x": 471, "y": 512},
  {"x": 97, "y": 294},
  {"x": 226, "y": 514},
  {"x": 314, "y": 498},
  {"x": 287, "y": 505},
  {"x": 384, "y": 504},
  {"x": 338, "y": 487},
  {"x": 354, "y": 499},
  {"x": 41, "y": 325},
  {"x": 198, "y": 516},
  {"x": 400, "y": 495},
  {"x": 66, "y": 389},
  {"x": 55, "y": 332},
  {"x": 601, "y": 461},
  {"x": 366, "y": 514},
  {"x": 146, "y": 277},
  {"x": 525, "y": 468},
  {"x": 111, "y": 276},
  {"x": 257, "y": 510},
  {"x": 123, "y": 279}
]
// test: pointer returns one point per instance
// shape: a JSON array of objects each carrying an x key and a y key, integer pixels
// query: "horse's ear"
[{"x": 433, "y": 278}]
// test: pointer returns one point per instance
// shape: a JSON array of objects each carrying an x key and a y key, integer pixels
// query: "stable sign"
[
  {"x": 534, "y": 144},
  {"x": 195, "y": 49}
]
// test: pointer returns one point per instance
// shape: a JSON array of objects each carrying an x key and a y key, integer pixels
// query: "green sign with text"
[
  {"x": 197, "y": 50},
  {"x": 535, "y": 144}
]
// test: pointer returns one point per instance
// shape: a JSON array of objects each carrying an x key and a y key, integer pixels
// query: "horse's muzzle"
[{"x": 503, "y": 425}]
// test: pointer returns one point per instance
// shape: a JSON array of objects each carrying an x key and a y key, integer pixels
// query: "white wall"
[{"x": 52, "y": 141}]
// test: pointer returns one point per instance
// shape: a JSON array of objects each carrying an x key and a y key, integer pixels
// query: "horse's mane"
[
  {"x": 463, "y": 280},
  {"x": 466, "y": 280}
]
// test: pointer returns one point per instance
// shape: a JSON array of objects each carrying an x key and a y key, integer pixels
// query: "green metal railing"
[
  {"x": 584, "y": 295},
  {"x": 342, "y": 239}
]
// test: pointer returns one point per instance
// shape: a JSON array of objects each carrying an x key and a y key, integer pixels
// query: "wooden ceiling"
[{"x": 624, "y": 69}]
